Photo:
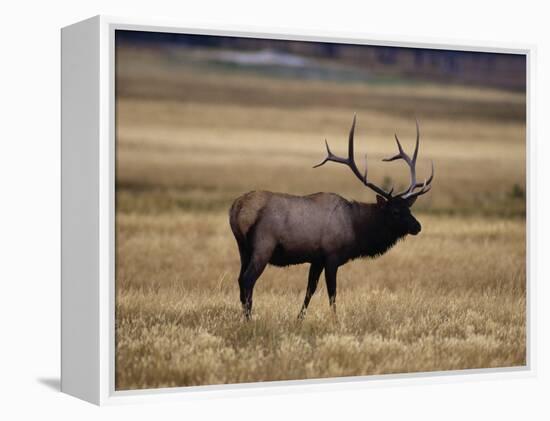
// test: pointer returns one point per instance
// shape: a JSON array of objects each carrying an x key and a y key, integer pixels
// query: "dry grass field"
[{"x": 192, "y": 136}]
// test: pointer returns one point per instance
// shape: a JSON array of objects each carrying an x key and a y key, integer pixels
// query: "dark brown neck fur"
[{"x": 374, "y": 231}]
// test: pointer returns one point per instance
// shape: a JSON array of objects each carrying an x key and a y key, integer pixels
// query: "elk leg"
[
  {"x": 256, "y": 266},
  {"x": 313, "y": 278},
  {"x": 245, "y": 260},
  {"x": 330, "y": 278}
]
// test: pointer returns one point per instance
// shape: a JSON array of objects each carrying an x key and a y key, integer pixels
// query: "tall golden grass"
[{"x": 189, "y": 142}]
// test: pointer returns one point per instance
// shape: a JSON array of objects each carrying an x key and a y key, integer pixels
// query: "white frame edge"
[
  {"x": 80, "y": 280},
  {"x": 88, "y": 299}
]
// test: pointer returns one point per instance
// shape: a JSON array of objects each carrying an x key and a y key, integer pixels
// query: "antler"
[
  {"x": 350, "y": 162},
  {"x": 411, "y": 162}
]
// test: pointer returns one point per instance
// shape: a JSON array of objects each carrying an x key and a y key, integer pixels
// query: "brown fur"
[{"x": 245, "y": 210}]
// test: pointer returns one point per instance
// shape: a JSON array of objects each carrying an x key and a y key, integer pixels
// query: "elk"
[{"x": 322, "y": 229}]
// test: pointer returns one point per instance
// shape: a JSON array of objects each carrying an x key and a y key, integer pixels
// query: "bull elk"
[{"x": 322, "y": 229}]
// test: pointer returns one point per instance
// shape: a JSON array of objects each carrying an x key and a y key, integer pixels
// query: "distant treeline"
[{"x": 465, "y": 67}]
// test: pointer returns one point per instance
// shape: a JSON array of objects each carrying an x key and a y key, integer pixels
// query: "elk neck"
[{"x": 373, "y": 229}]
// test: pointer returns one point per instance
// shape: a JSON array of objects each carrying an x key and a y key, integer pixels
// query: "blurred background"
[{"x": 202, "y": 119}]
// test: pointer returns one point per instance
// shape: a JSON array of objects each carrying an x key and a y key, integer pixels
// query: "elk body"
[{"x": 322, "y": 229}]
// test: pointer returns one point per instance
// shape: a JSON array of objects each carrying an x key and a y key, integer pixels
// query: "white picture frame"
[{"x": 88, "y": 165}]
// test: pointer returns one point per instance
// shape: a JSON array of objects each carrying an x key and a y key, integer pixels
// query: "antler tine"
[
  {"x": 424, "y": 187},
  {"x": 350, "y": 138},
  {"x": 351, "y": 154},
  {"x": 429, "y": 180},
  {"x": 415, "y": 153},
  {"x": 366, "y": 168},
  {"x": 330, "y": 157},
  {"x": 401, "y": 153},
  {"x": 411, "y": 163},
  {"x": 350, "y": 162}
]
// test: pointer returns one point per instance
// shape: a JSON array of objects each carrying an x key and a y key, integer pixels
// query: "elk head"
[{"x": 396, "y": 207}]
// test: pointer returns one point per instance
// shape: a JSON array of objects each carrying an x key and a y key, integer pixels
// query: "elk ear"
[
  {"x": 411, "y": 200},
  {"x": 380, "y": 200}
]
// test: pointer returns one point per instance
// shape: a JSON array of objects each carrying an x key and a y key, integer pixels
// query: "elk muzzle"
[{"x": 414, "y": 227}]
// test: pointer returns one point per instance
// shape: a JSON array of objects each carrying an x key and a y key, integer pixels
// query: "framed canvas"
[{"x": 221, "y": 234}]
